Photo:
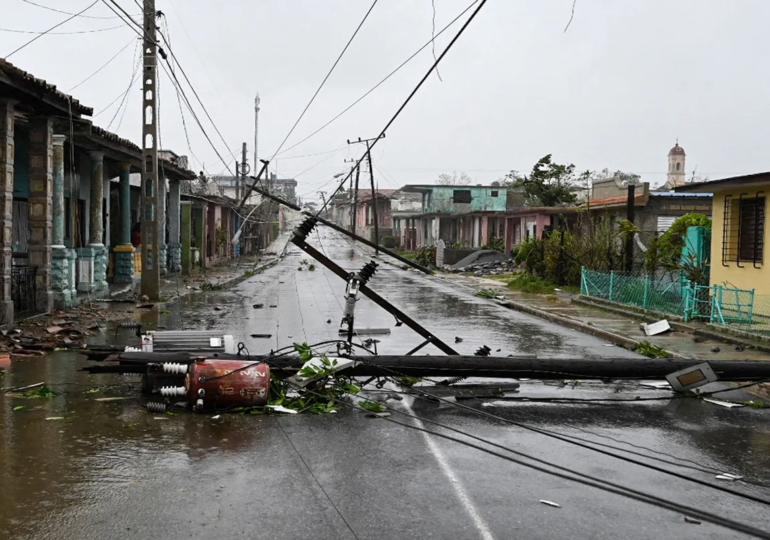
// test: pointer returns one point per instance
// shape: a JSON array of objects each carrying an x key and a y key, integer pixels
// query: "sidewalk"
[
  {"x": 220, "y": 276},
  {"x": 618, "y": 326}
]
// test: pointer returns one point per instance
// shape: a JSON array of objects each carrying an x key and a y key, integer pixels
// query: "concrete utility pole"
[
  {"x": 629, "y": 249},
  {"x": 151, "y": 229},
  {"x": 244, "y": 171},
  {"x": 374, "y": 193},
  {"x": 355, "y": 201},
  {"x": 256, "y": 130}
]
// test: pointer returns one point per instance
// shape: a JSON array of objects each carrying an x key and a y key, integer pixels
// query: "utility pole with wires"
[
  {"x": 150, "y": 285},
  {"x": 256, "y": 130},
  {"x": 350, "y": 188},
  {"x": 368, "y": 143}
]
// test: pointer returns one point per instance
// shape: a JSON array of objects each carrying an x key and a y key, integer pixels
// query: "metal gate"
[{"x": 23, "y": 290}]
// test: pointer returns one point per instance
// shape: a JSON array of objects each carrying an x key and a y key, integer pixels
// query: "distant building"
[{"x": 676, "y": 163}]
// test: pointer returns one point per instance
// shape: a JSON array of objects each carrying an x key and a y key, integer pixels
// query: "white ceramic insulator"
[
  {"x": 171, "y": 367},
  {"x": 173, "y": 391}
]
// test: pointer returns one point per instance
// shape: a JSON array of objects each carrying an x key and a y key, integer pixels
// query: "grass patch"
[
  {"x": 649, "y": 350},
  {"x": 166, "y": 312},
  {"x": 487, "y": 293},
  {"x": 527, "y": 283},
  {"x": 405, "y": 254},
  {"x": 249, "y": 273}
]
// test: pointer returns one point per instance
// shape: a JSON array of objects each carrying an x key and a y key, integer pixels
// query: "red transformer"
[{"x": 222, "y": 384}]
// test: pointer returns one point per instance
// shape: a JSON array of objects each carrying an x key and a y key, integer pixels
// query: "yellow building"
[{"x": 739, "y": 230}]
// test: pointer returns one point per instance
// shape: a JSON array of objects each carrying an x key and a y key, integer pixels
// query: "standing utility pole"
[
  {"x": 256, "y": 131},
  {"x": 150, "y": 286},
  {"x": 374, "y": 193},
  {"x": 629, "y": 251},
  {"x": 355, "y": 200},
  {"x": 244, "y": 171}
]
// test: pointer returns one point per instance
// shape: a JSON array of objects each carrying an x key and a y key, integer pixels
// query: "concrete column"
[
  {"x": 186, "y": 226},
  {"x": 124, "y": 251},
  {"x": 41, "y": 209},
  {"x": 60, "y": 265},
  {"x": 174, "y": 244},
  {"x": 96, "y": 251},
  {"x": 162, "y": 262},
  {"x": 6, "y": 209}
]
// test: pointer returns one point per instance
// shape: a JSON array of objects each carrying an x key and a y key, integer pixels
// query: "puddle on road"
[{"x": 103, "y": 452}]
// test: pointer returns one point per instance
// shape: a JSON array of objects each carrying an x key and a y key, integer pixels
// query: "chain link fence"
[{"x": 673, "y": 294}]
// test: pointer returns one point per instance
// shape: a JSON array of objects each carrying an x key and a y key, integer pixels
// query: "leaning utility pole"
[
  {"x": 374, "y": 193},
  {"x": 150, "y": 285}
]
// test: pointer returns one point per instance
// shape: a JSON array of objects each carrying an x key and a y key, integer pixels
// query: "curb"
[
  {"x": 678, "y": 326},
  {"x": 613, "y": 338},
  {"x": 631, "y": 314}
]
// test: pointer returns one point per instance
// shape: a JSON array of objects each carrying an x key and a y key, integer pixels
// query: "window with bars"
[
  {"x": 743, "y": 234},
  {"x": 461, "y": 196}
]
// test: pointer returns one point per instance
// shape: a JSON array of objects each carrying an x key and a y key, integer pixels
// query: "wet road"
[{"x": 111, "y": 470}]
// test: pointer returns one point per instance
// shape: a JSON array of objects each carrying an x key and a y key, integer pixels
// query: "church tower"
[{"x": 676, "y": 157}]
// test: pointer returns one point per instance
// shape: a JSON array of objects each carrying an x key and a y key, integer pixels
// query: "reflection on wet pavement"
[{"x": 109, "y": 469}]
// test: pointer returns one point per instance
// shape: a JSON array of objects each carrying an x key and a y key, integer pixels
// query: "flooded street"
[{"x": 75, "y": 467}]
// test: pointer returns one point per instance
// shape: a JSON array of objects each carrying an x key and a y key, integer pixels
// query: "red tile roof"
[{"x": 620, "y": 199}]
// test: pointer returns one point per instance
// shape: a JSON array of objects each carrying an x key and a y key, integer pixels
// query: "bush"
[
  {"x": 496, "y": 244},
  {"x": 388, "y": 242},
  {"x": 426, "y": 256},
  {"x": 665, "y": 251}
]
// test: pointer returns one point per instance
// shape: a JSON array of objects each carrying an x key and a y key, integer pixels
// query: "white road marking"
[{"x": 465, "y": 499}]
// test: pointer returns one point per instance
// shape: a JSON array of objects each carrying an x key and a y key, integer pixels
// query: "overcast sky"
[{"x": 616, "y": 90}]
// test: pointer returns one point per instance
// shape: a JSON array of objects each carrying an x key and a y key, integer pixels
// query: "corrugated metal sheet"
[{"x": 665, "y": 222}]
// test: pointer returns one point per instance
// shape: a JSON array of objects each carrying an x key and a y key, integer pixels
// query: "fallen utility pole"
[
  {"x": 337, "y": 228},
  {"x": 298, "y": 239},
  {"x": 520, "y": 366},
  {"x": 253, "y": 185}
]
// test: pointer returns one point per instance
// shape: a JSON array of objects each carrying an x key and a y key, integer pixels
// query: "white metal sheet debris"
[
  {"x": 653, "y": 329},
  {"x": 658, "y": 385},
  {"x": 726, "y": 404},
  {"x": 550, "y": 503},
  {"x": 317, "y": 363},
  {"x": 281, "y": 408}
]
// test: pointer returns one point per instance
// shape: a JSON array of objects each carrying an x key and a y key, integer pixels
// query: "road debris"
[
  {"x": 550, "y": 503},
  {"x": 726, "y": 404},
  {"x": 694, "y": 521},
  {"x": 282, "y": 409},
  {"x": 259, "y": 306},
  {"x": 23, "y": 388},
  {"x": 53, "y": 418},
  {"x": 262, "y": 336},
  {"x": 728, "y": 476},
  {"x": 659, "y": 327}
]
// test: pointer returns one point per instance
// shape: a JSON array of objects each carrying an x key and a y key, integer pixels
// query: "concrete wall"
[
  {"x": 439, "y": 200},
  {"x": 747, "y": 277}
]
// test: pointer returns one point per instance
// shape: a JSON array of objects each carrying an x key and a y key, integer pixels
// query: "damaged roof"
[
  {"x": 129, "y": 145},
  {"x": 39, "y": 88}
]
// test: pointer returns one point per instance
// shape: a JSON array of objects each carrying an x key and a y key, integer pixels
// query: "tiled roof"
[
  {"x": 620, "y": 199},
  {"x": 109, "y": 136},
  {"x": 13, "y": 72}
]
